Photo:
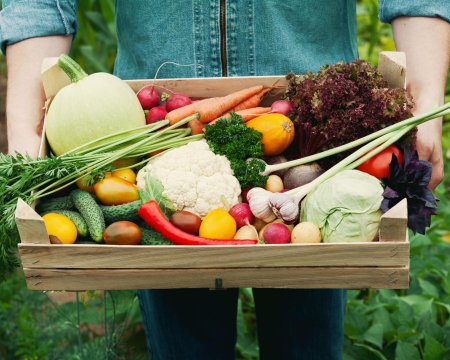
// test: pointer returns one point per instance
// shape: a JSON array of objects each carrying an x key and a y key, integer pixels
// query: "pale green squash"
[{"x": 91, "y": 107}]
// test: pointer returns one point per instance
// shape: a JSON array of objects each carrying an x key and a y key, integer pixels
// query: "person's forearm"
[
  {"x": 426, "y": 42},
  {"x": 25, "y": 95}
]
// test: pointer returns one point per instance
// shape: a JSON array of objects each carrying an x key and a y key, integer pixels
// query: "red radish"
[
  {"x": 276, "y": 234},
  {"x": 176, "y": 101},
  {"x": 281, "y": 107},
  {"x": 155, "y": 114},
  {"x": 242, "y": 214},
  {"x": 148, "y": 97}
]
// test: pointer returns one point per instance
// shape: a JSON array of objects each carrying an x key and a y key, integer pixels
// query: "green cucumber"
[
  {"x": 53, "y": 204},
  {"x": 77, "y": 219},
  {"x": 152, "y": 237},
  {"x": 127, "y": 211},
  {"x": 89, "y": 209}
]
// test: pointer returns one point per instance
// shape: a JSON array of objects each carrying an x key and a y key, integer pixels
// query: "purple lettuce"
[{"x": 410, "y": 180}]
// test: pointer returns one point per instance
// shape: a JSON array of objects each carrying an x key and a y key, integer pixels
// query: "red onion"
[
  {"x": 281, "y": 107},
  {"x": 148, "y": 97},
  {"x": 276, "y": 234},
  {"x": 242, "y": 214}
]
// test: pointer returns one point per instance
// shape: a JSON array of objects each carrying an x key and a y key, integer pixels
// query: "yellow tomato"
[
  {"x": 115, "y": 191},
  {"x": 218, "y": 224},
  {"x": 124, "y": 162},
  {"x": 126, "y": 174},
  {"x": 81, "y": 185},
  {"x": 60, "y": 226}
]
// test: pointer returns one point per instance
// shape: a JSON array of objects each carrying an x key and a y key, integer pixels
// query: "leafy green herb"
[{"x": 232, "y": 138}]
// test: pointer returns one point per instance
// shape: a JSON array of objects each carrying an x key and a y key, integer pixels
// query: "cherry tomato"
[
  {"x": 378, "y": 165},
  {"x": 115, "y": 191},
  {"x": 186, "y": 221},
  {"x": 122, "y": 233}
]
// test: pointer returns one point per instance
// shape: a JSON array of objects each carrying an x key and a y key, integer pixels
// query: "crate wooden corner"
[{"x": 379, "y": 264}]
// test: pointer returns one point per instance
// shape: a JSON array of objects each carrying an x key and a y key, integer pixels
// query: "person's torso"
[{"x": 232, "y": 37}]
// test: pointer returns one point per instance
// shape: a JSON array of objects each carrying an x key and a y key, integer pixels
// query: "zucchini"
[
  {"x": 127, "y": 211},
  {"x": 89, "y": 209},
  {"x": 53, "y": 204},
  {"x": 77, "y": 219}
]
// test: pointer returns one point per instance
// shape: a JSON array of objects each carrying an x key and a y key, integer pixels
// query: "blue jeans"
[{"x": 200, "y": 324}]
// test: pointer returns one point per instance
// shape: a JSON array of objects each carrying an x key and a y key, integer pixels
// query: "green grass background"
[{"x": 380, "y": 324}]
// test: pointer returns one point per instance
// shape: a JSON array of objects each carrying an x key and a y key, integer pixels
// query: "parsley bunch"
[{"x": 242, "y": 146}]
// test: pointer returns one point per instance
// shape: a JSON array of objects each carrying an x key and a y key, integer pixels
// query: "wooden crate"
[{"x": 380, "y": 264}]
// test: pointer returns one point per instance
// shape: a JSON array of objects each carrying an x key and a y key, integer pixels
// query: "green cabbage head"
[{"x": 346, "y": 207}]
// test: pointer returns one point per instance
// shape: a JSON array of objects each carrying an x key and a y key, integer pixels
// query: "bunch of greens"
[
  {"x": 410, "y": 180},
  {"x": 342, "y": 103},
  {"x": 32, "y": 179},
  {"x": 241, "y": 145}
]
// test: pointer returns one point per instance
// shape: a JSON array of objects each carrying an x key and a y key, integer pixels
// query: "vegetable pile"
[{"x": 216, "y": 171}]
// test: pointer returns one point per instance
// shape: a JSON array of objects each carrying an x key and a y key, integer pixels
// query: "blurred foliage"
[{"x": 380, "y": 324}]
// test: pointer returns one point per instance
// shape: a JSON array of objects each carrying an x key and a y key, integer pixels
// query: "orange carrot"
[
  {"x": 196, "y": 127},
  {"x": 246, "y": 114},
  {"x": 251, "y": 102},
  {"x": 212, "y": 108}
]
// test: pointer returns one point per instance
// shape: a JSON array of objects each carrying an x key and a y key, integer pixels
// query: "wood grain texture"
[
  {"x": 209, "y": 87},
  {"x": 392, "y": 65},
  {"x": 394, "y": 223},
  {"x": 167, "y": 257},
  {"x": 30, "y": 225},
  {"x": 94, "y": 279}
]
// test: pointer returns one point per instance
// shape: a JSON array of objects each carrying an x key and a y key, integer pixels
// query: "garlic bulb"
[
  {"x": 258, "y": 199},
  {"x": 284, "y": 207}
]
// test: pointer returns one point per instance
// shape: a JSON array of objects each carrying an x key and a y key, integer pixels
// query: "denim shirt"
[{"x": 222, "y": 37}]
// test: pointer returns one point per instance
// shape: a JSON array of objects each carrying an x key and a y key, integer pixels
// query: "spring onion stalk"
[
  {"x": 90, "y": 166},
  {"x": 413, "y": 121}
]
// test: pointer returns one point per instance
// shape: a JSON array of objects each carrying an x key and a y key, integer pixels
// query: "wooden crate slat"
[
  {"x": 108, "y": 256},
  {"x": 335, "y": 277}
]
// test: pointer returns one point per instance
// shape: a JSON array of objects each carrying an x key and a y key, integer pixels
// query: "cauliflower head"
[{"x": 194, "y": 178}]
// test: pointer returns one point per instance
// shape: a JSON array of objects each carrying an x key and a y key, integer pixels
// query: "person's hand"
[{"x": 429, "y": 145}]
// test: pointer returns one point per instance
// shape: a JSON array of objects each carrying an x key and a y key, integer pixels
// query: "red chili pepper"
[{"x": 153, "y": 216}]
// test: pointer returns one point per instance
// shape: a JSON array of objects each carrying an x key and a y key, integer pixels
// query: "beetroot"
[
  {"x": 148, "y": 97},
  {"x": 176, "y": 101},
  {"x": 276, "y": 234},
  {"x": 155, "y": 114}
]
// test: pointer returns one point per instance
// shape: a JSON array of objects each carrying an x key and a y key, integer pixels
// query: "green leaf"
[
  {"x": 374, "y": 335},
  {"x": 434, "y": 350},
  {"x": 419, "y": 303},
  {"x": 428, "y": 288},
  {"x": 406, "y": 351},
  {"x": 373, "y": 351},
  {"x": 153, "y": 190}
]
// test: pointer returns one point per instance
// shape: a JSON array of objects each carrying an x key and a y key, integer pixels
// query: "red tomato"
[{"x": 378, "y": 165}]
